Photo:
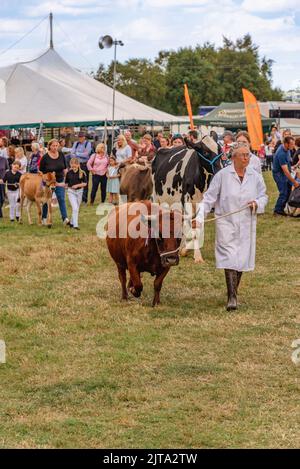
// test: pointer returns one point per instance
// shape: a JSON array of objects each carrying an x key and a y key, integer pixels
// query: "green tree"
[
  {"x": 240, "y": 67},
  {"x": 196, "y": 68}
]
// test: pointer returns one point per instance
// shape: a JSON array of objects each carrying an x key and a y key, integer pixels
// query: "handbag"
[
  {"x": 294, "y": 198},
  {"x": 93, "y": 163}
]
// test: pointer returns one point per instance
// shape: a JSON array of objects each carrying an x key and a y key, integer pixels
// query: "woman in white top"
[
  {"x": 20, "y": 156},
  {"x": 231, "y": 189},
  {"x": 254, "y": 162},
  {"x": 123, "y": 150}
]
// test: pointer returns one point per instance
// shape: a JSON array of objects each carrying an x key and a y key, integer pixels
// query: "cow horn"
[{"x": 148, "y": 218}]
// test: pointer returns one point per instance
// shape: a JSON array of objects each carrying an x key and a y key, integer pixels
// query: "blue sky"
[{"x": 147, "y": 26}]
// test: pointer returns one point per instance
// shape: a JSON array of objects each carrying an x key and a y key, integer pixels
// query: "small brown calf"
[{"x": 37, "y": 188}]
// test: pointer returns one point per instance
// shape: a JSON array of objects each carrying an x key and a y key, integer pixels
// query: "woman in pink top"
[{"x": 97, "y": 164}]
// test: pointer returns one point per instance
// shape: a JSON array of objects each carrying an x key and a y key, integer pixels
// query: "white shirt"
[
  {"x": 236, "y": 234},
  {"x": 255, "y": 163},
  {"x": 123, "y": 154},
  {"x": 24, "y": 163},
  {"x": 3, "y": 152}
]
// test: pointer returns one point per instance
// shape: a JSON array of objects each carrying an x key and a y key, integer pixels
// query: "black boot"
[
  {"x": 231, "y": 281},
  {"x": 239, "y": 276}
]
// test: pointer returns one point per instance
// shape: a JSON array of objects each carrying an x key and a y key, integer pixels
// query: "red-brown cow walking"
[{"x": 150, "y": 250}]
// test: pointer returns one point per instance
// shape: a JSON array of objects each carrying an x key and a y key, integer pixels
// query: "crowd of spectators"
[{"x": 280, "y": 153}]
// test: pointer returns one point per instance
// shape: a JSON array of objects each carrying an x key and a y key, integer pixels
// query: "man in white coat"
[{"x": 233, "y": 188}]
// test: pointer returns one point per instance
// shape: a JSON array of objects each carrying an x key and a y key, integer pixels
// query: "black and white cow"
[{"x": 180, "y": 175}]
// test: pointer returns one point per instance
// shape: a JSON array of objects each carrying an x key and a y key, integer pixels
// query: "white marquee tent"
[{"x": 48, "y": 90}]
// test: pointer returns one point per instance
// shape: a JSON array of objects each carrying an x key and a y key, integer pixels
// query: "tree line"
[{"x": 213, "y": 75}]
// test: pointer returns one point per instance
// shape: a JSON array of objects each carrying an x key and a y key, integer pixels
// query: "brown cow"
[
  {"x": 149, "y": 250},
  {"x": 37, "y": 188},
  {"x": 136, "y": 182}
]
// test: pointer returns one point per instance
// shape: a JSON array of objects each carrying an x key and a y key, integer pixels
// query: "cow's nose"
[{"x": 173, "y": 260}]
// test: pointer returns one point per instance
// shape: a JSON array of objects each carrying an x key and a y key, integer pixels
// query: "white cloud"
[
  {"x": 271, "y": 6},
  {"x": 144, "y": 29},
  {"x": 236, "y": 23},
  {"x": 11, "y": 26},
  {"x": 67, "y": 7},
  {"x": 174, "y": 3}
]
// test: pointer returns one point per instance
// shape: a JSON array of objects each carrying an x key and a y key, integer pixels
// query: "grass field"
[{"x": 85, "y": 370}]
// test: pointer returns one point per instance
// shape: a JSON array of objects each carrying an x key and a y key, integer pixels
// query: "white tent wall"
[{"x": 49, "y": 90}]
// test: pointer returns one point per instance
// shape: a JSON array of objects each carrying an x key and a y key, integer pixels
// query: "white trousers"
[
  {"x": 75, "y": 199},
  {"x": 14, "y": 206}
]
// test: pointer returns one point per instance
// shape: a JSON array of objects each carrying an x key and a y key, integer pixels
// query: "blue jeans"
[
  {"x": 284, "y": 188},
  {"x": 60, "y": 195}
]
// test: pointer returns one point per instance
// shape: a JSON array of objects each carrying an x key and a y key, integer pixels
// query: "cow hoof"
[
  {"x": 135, "y": 293},
  {"x": 49, "y": 226},
  {"x": 183, "y": 253}
]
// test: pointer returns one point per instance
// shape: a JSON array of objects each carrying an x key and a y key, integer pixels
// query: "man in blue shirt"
[
  {"x": 82, "y": 150},
  {"x": 282, "y": 174}
]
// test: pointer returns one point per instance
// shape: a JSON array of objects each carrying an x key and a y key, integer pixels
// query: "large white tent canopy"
[{"x": 48, "y": 90}]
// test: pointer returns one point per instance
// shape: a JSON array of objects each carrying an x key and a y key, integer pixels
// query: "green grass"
[{"x": 86, "y": 370}]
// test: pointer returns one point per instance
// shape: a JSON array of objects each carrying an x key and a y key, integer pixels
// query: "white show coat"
[
  {"x": 236, "y": 234},
  {"x": 255, "y": 163}
]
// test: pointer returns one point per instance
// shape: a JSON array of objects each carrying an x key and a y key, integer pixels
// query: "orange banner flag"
[
  {"x": 189, "y": 106},
  {"x": 254, "y": 123}
]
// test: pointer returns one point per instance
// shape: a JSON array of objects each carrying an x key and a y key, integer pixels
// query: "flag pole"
[
  {"x": 189, "y": 106},
  {"x": 253, "y": 116}
]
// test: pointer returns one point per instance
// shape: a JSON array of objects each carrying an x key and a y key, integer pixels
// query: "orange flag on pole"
[
  {"x": 254, "y": 123},
  {"x": 189, "y": 106}
]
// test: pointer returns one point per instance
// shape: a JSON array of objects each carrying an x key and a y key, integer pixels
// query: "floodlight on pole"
[{"x": 106, "y": 42}]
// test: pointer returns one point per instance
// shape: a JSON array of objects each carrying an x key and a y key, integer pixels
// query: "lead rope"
[
  {"x": 228, "y": 214},
  {"x": 166, "y": 253},
  {"x": 15, "y": 184}
]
